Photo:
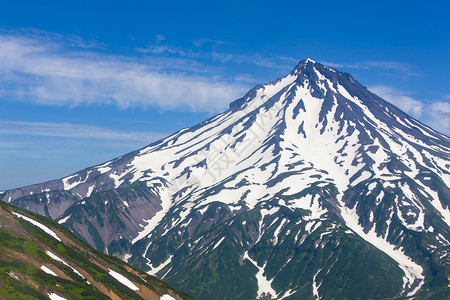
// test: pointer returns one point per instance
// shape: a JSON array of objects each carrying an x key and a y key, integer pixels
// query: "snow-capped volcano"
[{"x": 273, "y": 195}]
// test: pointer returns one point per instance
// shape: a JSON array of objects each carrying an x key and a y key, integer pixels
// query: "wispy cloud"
[
  {"x": 279, "y": 62},
  {"x": 438, "y": 116},
  {"x": 400, "y": 99},
  {"x": 201, "y": 42},
  {"x": 160, "y": 47},
  {"x": 385, "y": 67},
  {"x": 433, "y": 113},
  {"x": 68, "y": 130},
  {"x": 395, "y": 66},
  {"x": 33, "y": 70},
  {"x": 331, "y": 64},
  {"x": 53, "y": 38}
]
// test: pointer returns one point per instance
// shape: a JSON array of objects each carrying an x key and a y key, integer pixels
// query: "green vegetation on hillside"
[{"x": 23, "y": 248}]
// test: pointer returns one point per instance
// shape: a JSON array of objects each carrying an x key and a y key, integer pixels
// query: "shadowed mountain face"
[{"x": 308, "y": 186}]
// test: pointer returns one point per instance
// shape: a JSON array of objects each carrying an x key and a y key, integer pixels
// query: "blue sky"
[{"x": 82, "y": 82}]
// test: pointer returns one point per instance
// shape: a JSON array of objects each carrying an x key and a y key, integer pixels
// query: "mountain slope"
[
  {"x": 40, "y": 259},
  {"x": 294, "y": 177}
]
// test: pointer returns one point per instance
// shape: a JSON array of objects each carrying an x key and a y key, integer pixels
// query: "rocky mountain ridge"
[{"x": 292, "y": 178}]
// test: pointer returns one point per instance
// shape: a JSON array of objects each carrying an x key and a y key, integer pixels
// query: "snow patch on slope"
[
  {"x": 155, "y": 220},
  {"x": 54, "y": 296},
  {"x": 445, "y": 213},
  {"x": 40, "y": 225},
  {"x": 264, "y": 285},
  {"x": 123, "y": 280},
  {"x": 155, "y": 270},
  {"x": 414, "y": 274},
  {"x": 63, "y": 220},
  {"x": 48, "y": 271},
  {"x": 218, "y": 243},
  {"x": 315, "y": 287},
  {"x": 55, "y": 257}
]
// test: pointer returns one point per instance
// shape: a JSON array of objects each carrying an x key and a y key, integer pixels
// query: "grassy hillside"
[{"x": 40, "y": 259}]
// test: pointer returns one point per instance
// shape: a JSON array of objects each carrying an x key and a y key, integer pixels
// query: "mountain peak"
[
  {"x": 308, "y": 164},
  {"x": 308, "y": 60},
  {"x": 305, "y": 71},
  {"x": 305, "y": 62}
]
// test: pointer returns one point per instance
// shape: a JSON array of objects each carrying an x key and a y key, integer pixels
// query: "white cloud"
[
  {"x": 201, "y": 42},
  {"x": 387, "y": 65},
  {"x": 438, "y": 116},
  {"x": 443, "y": 107},
  {"x": 255, "y": 59},
  {"x": 332, "y": 64},
  {"x": 67, "y": 130},
  {"x": 399, "y": 99},
  {"x": 35, "y": 70},
  {"x": 435, "y": 114}
]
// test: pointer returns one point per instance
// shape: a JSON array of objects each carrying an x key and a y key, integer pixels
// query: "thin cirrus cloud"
[
  {"x": 35, "y": 70},
  {"x": 160, "y": 47},
  {"x": 69, "y": 130},
  {"x": 433, "y": 113},
  {"x": 400, "y": 99},
  {"x": 438, "y": 116},
  {"x": 384, "y": 67}
]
